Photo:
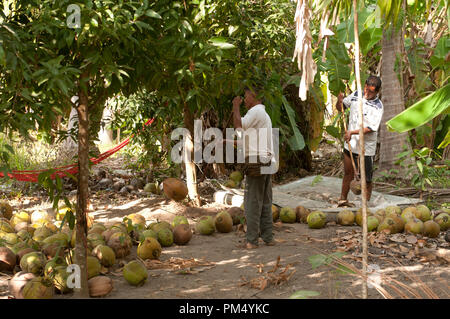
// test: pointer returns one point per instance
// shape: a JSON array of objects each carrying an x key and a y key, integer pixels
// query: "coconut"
[
  {"x": 301, "y": 213},
  {"x": 23, "y": 226},
  {"x": 61, "y": 238},
  {"x": 345, "y": 218},
  {"x": 52, "y": 250},
  {"x": 41, "y": 233},
  {"x": 7, "y": 259},
  {"x": 51, "y": 265},
  {"x": 355, "y": 186},
  {"x": 407, "y": 215},
  {"x": 372, "y": 223},
  {"x": 175, "y": 189},
  {"x": 179, "y": 220},
  {"x": 147, "y": 233},
  {"x": 59, "y": 279},
  {"x": 19, "y": 217},
  {"x": 287, "y": 215},
  {"x": 275, "y": 213},
  {"x": 19, "y": 281},
  {"x": 97, "y": 230},
  {"x": 380, "y": 215},
  {"x": 152, "y": 188},
  {"x": 105, "y": 255},
  {"x": 108, "y": 233},
  {"x": 121, "y": 244},
  {"x": 237, "y": 214},
  {"x": 236, "y": 176},
  {"x": 205, "y": 225},
  {"x": 358, "y": 216},
  {"x": 443, "y": 219},
  {"x": 5, "y": 226},
  {"x": 100, "y": 286},
  {"x": 223, "y": 222},
  {"x": 38, "y": 288},
  {"x": 10, "y": 238},
  {"x": 182, "y": 234},
  {"x": 411, "y": 209},
  {"x": 33, "y": 262},
  {"x": 316, "y": 219},
  {"x": 414, "y": 226},
  {"x": 22, "y": 253},
  {"x": 425, "y": 213},
  {"x": 150, "y": 248},
  {"x": 94, "y": 239},
  {"x": 156, "y": 227},
  {"x": 93, "y": 266},
  {"x": 431, "y": 229},
  {"x": 39, "y": 216},
  {"x": 6, "y": 210},
  {"x": 136, "y": 219},
  {"x": 165, "y": 237},
  {"x": 388, "y": 225},
  {"x": 393, "y": 210},
  {"x": 230, "y": 184},
  {"x": 135, "y": 273}
]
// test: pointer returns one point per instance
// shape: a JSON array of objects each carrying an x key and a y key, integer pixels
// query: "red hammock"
[{"x": 63, "y": 171}]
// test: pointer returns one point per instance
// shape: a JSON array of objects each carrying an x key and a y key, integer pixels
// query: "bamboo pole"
[{"x": 361, "y": 153}]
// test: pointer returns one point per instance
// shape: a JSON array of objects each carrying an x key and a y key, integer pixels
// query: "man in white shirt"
[
  {"x": 258, "y": 150},
  {"x": 372, "y": 114}
]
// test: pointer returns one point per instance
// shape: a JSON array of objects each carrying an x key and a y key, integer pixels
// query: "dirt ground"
[{"x": 217, "y": 267}]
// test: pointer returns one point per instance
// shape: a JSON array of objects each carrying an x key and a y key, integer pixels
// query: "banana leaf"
[{"x": 421, "y": 112}]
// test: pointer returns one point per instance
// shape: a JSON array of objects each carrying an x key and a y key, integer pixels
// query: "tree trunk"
[
  {"x": 82, "y": 194},
  {"x": 191, "y": 173},
  {"x": 391, "y": 143}
]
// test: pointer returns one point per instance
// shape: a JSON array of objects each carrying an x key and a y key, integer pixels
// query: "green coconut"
[
  {"x": 236, "y": 176},
  {"x": 223, "y": 222},
  {"x": 412, "y": 209},
  {"x": 19, "y": 217},
  {"x": 95, "y": 239},
  {"x": 9, "y": 239},
  {"x": 177, "y": 220},
  {"x": 59, "y": 279},
  {"x": 358, "y": 216},
  {"x": 287, "y": 215},
  {"x": 51, "y": 265},
  {"x": 443, "y": 219},
  {"x": 150, "y": 248},
  {"x": 425, "y": 213},
  {"x": 5, "y": 226},
  {"x": 230, "y": 184},
  {"x": 393, "y": 210},
  {"x": 372, "y": 223},
  {"x": 33, "y": 262},
  {"x": 135, "y": 273},
  {"x": 93, "y": 266},
  {"x": 165, "y": 237},
  {"x": 414, "y": 226},
  {"x": 407, "y": 215},
  {"x": 38, "y": 288},
  {"x": 147, "y": 233},
  {"x": 345, "y": 217},
  {"x": 61, "y": 238},
  {"x": 42, "y": 233},
  {"x": 205, "y": 225},
  {"x": 387, "y": 225},
  {"x": 316, "y": 219},
  {"x": 380, "y": 215},
  {"x": 182, "y": 234},
  {"x": 152, "y": 188},
  {"x": 431, "y": 229},
  {"x": 156, "y": 227},
  {"x": 105, "y": 255}
]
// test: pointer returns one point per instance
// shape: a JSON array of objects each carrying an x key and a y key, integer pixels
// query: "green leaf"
[
  {"x": 421, "y": 112},
  {"x": 152, "y": 14},
  {"x": 221, "y": 42},
  {"x": 304, "y": 294},
  {"x": 296, "y": 142}
]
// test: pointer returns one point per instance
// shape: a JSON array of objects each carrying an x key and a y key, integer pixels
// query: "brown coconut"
[
  {"x": 182, "y": 234},
  {"x": 121, "y": 244},
  {"x": 355, "y": 186},
  {"x": 236, "y": 214},
  {"x": 19, "y": 281},
  {"x": 223, "y": 222},
  {"x": 175, "y": 189},
  {"x": 7, "y": 259},
  {"x": 100, "y": 286},
  {"x": 6, "y": 210},
  {"x": 301, "y": 214},
  {"x": 431, "y": 229}
]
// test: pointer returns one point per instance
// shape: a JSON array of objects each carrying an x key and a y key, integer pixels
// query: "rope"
[{"x": 72, "y": 169}]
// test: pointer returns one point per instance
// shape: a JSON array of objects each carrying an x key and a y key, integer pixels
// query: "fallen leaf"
[
  {"x": 411, "y": 239},
  {"x": 398, "y": 238}
]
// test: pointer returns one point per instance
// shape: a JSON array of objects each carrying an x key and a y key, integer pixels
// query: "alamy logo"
[
  {"x": 74, "y": 19},
  {"x": 208, "y": 146}
]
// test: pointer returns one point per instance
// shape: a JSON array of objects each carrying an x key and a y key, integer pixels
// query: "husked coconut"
[
  {"x": 100, "y": 286},
  {"x": 175, "y": 189}
]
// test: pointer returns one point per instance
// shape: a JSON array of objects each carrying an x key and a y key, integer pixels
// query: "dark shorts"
[{"x": 368, "y": 162}]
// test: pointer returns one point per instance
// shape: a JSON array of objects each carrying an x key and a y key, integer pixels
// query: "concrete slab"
[{"x": 317, "y": 193}]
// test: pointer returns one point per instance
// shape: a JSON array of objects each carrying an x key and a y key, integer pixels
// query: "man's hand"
[
  {"x": 237, "y": 101},
  {"x": 347, "y": 136}
]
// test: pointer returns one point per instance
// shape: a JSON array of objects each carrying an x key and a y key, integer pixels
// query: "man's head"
[
  {"x": 372, "y": 87},
  {"x": 253, "y": 96}
]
